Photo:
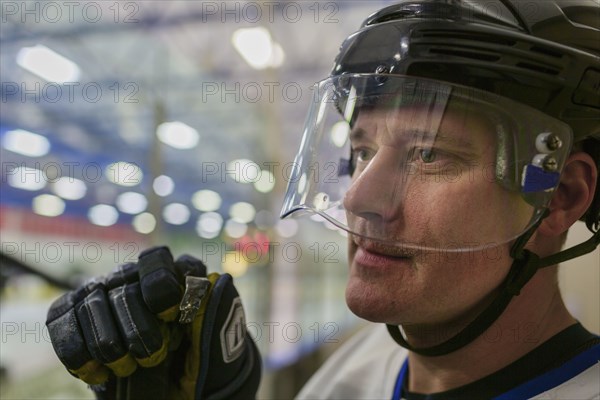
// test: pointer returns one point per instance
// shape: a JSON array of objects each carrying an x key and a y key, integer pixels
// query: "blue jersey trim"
[
  {"x": 399, "y": 381},
  {"x": 555, "y": 377},
  {"x": 536, "y": 386}
]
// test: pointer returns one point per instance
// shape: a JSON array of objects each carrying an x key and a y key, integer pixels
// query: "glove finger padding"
[
  {"x": 146, "y": 337},
  {"x": 222, "y": 361},
  {"x": 101, "y": 333},
  {"x": 161, "y": 287},
  {"x": 68, "y": 339}
]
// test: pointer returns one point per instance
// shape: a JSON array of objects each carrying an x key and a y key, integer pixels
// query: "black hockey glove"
[{"x": 157, "y": 329}]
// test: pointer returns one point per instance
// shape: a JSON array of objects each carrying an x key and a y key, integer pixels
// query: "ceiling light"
[
  {"x": 26, "y": 143},
  {"x": 69, "y": 188},
  {"x": 242, "y": 212},
  {"x": 144, "y": 223},
  {"x": 339, "y": 133},
  {"x": 209, "y": 225},
  {"x": 206, "y": 200},
  {"x": 27, "y": 178},
  {"x": 257, "y": 48},
  {"x": 163, "y": 185},
  {"x": 176, "y": 213},
  {"x": 47, "y": 64},
  {"x": 124, "y": 173},
  {"x": 178, "y": 135},
  {"x": 103, "y": 215},
  {"x": 48, "y": 205},
  {"x": 266, "y": 182},
  {"x": 131, "y": 202}
]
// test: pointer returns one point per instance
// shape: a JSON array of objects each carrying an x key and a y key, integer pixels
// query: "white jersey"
[
  {"x": 369, "y": 366},
  {"x": 365, "y": 367}
]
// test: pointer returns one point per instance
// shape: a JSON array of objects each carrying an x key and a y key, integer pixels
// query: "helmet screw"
[
  {"x": 547, "y": 142},
  {"x": 381, "y": 69},
  {"x": 546, "y": 162},
  {"x": 550, "y": 164}
]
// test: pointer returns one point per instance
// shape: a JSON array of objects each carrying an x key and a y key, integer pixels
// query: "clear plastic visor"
[{"x": 423, "y": 164}]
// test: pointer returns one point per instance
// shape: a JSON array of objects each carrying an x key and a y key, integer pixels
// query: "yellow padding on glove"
[
  {"x": 187, "y": 389},
  {"x": 170, "y": 313},
  {"x": 124, "y": 366},
  {"x": 158, "y": 357},
  {"x": 92, "y": 372}
]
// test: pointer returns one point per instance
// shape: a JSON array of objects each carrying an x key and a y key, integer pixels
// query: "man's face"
[{"x": 428, "y": 188}]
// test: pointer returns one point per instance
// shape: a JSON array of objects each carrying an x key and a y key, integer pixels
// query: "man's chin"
[{"x": 369, "y": 306}]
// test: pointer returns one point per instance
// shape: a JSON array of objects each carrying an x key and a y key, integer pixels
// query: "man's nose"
[{"x": 378, "y": 192}]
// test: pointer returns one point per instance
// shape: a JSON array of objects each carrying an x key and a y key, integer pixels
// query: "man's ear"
[{"x": 573, "y": 196}]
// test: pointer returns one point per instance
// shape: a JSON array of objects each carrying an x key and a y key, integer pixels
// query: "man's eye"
[
  {"x": 423, "y": 155},
  {"x": 360, "y": 158},
  {"x": 363, "y": 155},
  {"x": 427, "y": 155}
]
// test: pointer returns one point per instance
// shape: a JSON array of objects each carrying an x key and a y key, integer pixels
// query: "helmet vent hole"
[
  {"x": 444, "y": 36},
  {"x": 546, "y": 51},
  {"x": 466, "y": 54},
  {"x": 538, "y": 68}
]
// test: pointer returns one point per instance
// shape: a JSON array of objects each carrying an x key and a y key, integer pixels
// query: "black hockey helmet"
[{"x": 543, "y": 53}]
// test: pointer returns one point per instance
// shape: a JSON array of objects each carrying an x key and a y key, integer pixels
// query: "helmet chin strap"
[{"x": 524, "y": 266}]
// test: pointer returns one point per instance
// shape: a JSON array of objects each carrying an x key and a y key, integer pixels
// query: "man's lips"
[
  {"x": 369, "y": 259},
  {"x": 381, "y": 249},
  {"x": 374, "y": 254}
]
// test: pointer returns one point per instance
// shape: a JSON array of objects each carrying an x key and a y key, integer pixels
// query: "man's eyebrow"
[
  {"x": 454, "y": 140},
  {"x": 462, "y": 144},
  {"x": 358, "y": 133}
]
